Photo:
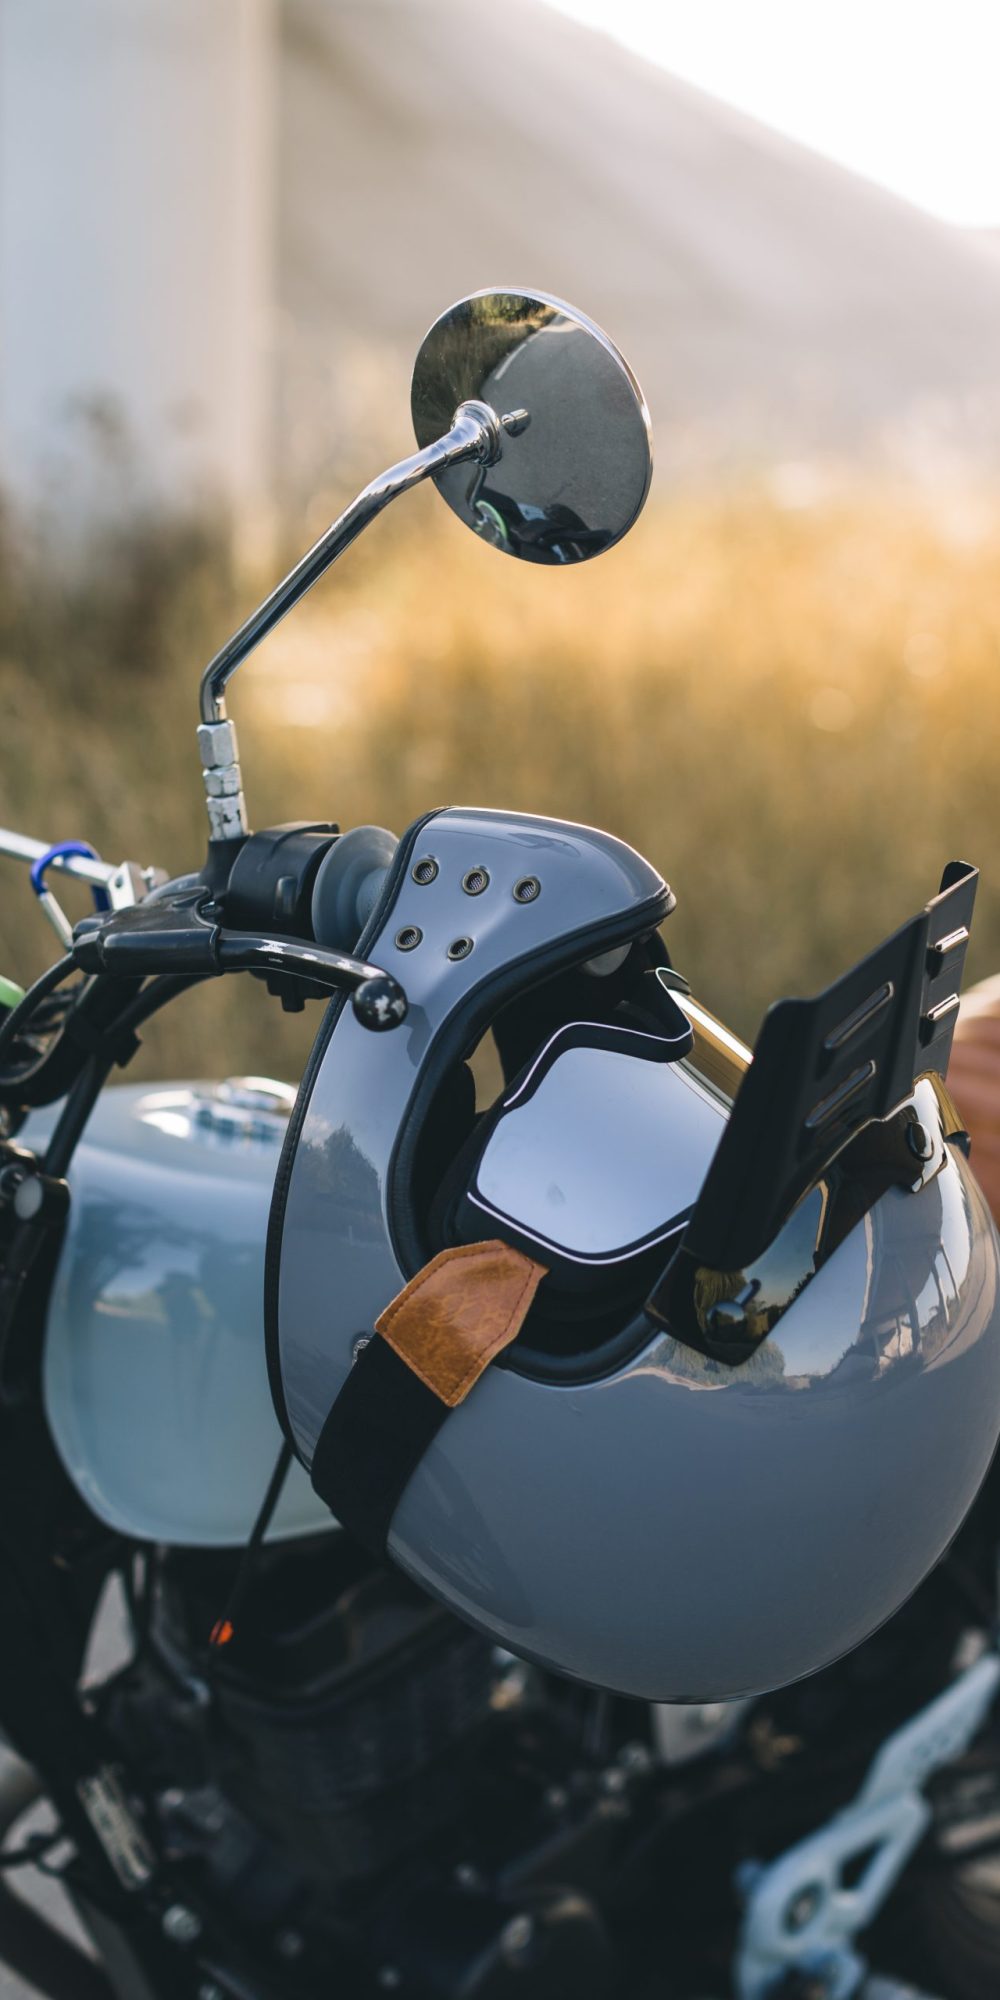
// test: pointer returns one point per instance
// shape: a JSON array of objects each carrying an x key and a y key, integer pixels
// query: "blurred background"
[{"x": 224, "y": 228}]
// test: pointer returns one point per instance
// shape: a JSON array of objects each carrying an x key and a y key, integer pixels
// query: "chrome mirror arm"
[{"x": 477, "y": 433}]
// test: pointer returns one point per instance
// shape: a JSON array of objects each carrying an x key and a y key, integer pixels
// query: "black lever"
[
  {"x": 826, "y": 1091},
  {"x": 377, "y": 998},
  {"x": 823, "y": 1070},
  {"x": 179, "y": 934}
]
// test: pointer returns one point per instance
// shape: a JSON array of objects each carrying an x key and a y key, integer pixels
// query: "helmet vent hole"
[
  {"x": 409, "y": 937},
  {"x": 528, "y": 889},
  {"x": 461, "y": 948},
  {"x": 424, "y": 870},
  {"x": 475, "y": 881}
]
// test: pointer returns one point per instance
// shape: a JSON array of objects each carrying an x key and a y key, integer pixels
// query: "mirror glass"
[{"x": 576, "y": 456}]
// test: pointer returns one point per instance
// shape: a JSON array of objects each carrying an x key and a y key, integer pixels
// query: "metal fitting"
[
  {"x": 217, "y": 744},
  {"x": 227, "y": 818},
  {"x": 517, "y": 1937},
  {"x": 181, "y": 1924},
  {"x": 222, "y": 782},
  {"x": 220, "y": 770},
  {"x": 919, "y": 1141},
  {"x": 130, "y": 884},
  {"x": 727, "y": 1317},
  {"x": 803, "y": 1907}
]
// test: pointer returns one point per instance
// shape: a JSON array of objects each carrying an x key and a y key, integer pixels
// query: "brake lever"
[
  {"x": 179, "y": 934},
  {"x": 378, "y": 1000}
]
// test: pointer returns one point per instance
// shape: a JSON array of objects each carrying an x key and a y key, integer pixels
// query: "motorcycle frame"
[{"x": 55, "y": 1559}]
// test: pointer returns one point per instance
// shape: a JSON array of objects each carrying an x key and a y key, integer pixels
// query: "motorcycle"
[{"x": 305, "y": 1776}]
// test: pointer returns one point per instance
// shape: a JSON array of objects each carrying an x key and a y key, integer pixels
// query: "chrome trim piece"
[
  {"x": 19, "y": 848},
  {"x": 801, "y": 1916},
  {"x": 708, "y": 1023},
  {"x": 222, "y": 779},
  {"x": 475, "y": 434},
  {"x": 124, "y": 883}
]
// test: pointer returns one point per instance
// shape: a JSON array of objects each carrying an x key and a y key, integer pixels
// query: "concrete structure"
[
  {"x": 136, "y": 179},
  {"x": 226, "y": 224}
]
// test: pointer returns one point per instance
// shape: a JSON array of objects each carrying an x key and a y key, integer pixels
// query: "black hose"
[
  {"x": 83, "y": 1029},
  {"x": 21, "y": 1014},
  {"x": 224, "y": 1628},
  {"x": 92, "y": 1078}
]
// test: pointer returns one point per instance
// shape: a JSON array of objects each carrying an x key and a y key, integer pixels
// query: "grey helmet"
[{"x": 755, "y": 1384}]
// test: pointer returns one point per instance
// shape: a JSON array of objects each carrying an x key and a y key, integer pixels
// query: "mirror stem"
[{"x": 476, "y": 434}]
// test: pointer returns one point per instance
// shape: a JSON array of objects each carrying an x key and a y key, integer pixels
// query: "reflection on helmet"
[
  {"x": 551, "y": 535},
  {"x": 731, "y": 1378}
]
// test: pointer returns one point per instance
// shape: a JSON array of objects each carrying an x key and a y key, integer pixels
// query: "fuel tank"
[{"x": 155, "y": 1377}]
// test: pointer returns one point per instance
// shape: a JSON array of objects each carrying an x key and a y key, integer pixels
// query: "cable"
[
  {"x": 225, "y": 1626},
  {"x": 84, "y": 1026},
  {"x": 19, "y": 1015},
  {"x": 92, "y": 1078}
]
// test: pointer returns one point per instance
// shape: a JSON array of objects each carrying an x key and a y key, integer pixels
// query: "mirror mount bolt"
[
  {"x": 489, "y": 444},
  {"x": 515, "y": 422},
  {"x": 220, "y": 762}
]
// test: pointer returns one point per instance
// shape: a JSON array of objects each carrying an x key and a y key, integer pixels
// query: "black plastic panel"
[{"x": 824, "y": 1067}]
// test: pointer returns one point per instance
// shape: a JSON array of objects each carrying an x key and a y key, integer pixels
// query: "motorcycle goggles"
[{"x": 592, "y": 1158}]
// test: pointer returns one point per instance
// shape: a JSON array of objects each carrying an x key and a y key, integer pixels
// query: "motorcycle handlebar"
[{"x": 178, "y": 934}]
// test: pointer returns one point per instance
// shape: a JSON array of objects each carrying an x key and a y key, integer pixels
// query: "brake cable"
[{"x": 21, "y": 1013}]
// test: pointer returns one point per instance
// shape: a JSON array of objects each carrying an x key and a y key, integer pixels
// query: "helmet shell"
[
  {"x": 673, "y": 1528},
  {"x": 684, "y": 1530},
  {"x": 357, "y": 1119}
]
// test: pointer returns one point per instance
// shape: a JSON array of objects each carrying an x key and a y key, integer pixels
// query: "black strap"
[{"x": 373, "y": 1440}]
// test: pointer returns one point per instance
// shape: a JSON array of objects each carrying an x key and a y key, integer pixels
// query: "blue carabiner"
[{"x": 62, "y": 848}]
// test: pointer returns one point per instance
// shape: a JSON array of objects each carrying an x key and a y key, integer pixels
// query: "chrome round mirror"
[{"x": 573, "y": 456}]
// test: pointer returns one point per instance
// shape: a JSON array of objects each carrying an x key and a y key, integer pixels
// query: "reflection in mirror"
[{"x": 574, "y": 459}]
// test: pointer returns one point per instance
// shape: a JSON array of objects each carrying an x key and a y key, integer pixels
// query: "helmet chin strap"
[{"x": 428, "y": 1351}]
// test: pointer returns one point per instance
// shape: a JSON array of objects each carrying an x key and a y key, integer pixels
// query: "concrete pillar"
[{"x": 136, "y": 251}]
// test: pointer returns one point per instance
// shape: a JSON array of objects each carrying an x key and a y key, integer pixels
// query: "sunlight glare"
[{"x": 902, "y": 94}]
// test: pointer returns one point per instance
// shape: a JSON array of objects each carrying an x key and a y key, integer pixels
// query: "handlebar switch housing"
[
  {"x": 166, "y": 934},
  {"x": 271, "y": 881}
]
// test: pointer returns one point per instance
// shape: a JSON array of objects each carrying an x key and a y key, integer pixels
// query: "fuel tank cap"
[{"x": 242, "y": 1111}]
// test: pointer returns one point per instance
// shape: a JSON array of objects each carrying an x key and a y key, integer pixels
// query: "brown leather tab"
[{"x": 464, "y": 1307}]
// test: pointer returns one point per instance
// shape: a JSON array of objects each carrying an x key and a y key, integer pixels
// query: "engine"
[{"x": 366, "y": 1783}]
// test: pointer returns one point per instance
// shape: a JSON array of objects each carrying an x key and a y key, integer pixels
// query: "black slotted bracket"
[{"x": 824, "y": 1067}]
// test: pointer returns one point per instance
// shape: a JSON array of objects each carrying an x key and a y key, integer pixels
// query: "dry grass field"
[{"x": 791, "y": 703}]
